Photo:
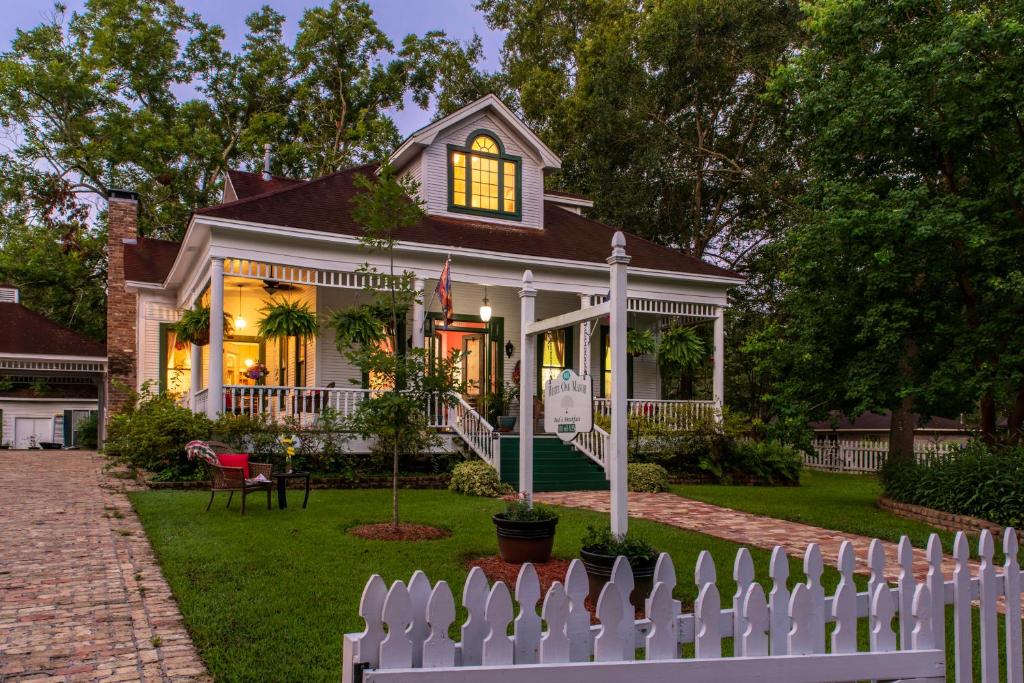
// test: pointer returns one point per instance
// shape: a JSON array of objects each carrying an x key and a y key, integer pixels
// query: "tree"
[
  {"x": 904, "y": 289},
  {"x": 410, "y": 390}
]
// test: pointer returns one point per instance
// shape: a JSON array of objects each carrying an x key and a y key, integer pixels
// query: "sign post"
[
  {"x": 527, "y": 350},
  {"x": 618, "y": 261}
]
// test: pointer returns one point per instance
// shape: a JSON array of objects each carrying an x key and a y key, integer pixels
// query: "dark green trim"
[
  {"x": 400, "y": 345},
  {"x": 501, "y": 156},
  {"x": 569, "y": 355},
  {"x": 162, "y": 376},
  {"x": 495, "y": 329},
  {"x": 604, "y": 368},
  {"x": 69, "y": 438}
]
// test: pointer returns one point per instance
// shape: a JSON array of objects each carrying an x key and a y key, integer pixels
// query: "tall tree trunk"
[
  {"x": 1015, "y": 423},
  {"x": 901, "y": 430},
  {"x": 987, "y": 406}
]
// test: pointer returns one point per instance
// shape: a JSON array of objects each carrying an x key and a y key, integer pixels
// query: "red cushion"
[{"x": 235, "y": 460}]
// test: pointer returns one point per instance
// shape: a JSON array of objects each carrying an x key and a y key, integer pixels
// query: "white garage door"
[{"x": 29, "y": 431}]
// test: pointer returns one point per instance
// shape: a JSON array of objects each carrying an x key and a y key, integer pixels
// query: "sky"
[{"x": 396, "y": 17}]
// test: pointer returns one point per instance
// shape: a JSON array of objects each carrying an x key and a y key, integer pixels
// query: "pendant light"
[
  {"x": 239, "y": 320},
  {"x": 485, "y": 308}
]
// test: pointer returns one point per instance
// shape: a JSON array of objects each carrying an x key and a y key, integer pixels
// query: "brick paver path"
[
  {"x": 81, "y": 595},
  {"x": 748, "y": 529}
]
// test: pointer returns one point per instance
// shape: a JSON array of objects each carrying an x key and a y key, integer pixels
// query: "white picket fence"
[
  {"x": 863, "y": 456},
  {"x": 778, "y": 636}
]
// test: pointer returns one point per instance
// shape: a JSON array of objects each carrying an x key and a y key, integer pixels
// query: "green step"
[{"x": 556, "y": 466}]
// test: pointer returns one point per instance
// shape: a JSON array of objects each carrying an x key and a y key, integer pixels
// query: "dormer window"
[{"x": 482, "y": 179}]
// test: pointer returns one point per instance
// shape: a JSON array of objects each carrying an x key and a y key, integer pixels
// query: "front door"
[{"x": 473, "y": 364}]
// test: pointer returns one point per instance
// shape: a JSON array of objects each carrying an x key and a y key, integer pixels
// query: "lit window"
[
  {"x": 553, "y": 357},
  {"x": 483, "y": 179}
]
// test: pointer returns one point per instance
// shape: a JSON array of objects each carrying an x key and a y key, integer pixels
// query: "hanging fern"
[
  {"x": 640, "y": 342},
  {"x": 194, "y": 326},
  {"x": 357, "y": 327},
  {"x": 288, "y": 319},
  {"x": 681, "y": 349}
]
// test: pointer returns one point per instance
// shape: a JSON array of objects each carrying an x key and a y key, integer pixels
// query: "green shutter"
[{"x": 69, "y": 436}]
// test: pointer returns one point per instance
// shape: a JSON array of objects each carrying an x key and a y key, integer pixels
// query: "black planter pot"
[
  {"x": 599, "y": 571},
  {"x": 520, "y": 541}
]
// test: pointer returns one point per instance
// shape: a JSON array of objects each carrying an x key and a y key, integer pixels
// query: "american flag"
[{"x": 444, "y": 291}]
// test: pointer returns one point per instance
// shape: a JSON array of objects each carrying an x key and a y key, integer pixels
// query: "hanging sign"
[{"x": 569, "y": 405}]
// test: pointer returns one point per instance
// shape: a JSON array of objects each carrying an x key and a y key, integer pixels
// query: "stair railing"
[
  {"x": 595, "y": 445},
  {"x": 477, "y": 432}
]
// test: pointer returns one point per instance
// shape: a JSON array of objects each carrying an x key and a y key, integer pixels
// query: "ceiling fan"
[{"x": 272, "y": 287}]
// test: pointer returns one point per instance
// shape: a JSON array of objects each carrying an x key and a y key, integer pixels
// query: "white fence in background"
[
  {"x": 679, "y": 415},
  {"x": 864, "y": 456},
  {"x": 776, "y": 636}
]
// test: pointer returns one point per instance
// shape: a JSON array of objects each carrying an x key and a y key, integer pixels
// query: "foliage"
[
  {"x": 636, "y": 548},
  {"x": 975, "y": 480},
  {"x": 646, "y": 477},
  {"x": 767, "y": 462},
  {"x": 320, "y": 446},
  {"x": 88, "y": 431},
  {"x": 288, "y": 319},
  {"x": 682, "y": 352},
  {"x": 150, "y": 434},
  {"x": 194, "y": 325},
  {"x": 360, "y": 326},
  {"x": 519, "y": 510},
  {"x": 640, "y": 342},
  {"x": 477, "y": 478},
  {"x": 500, "y": 401}
]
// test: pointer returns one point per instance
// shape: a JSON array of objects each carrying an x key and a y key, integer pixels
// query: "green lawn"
[
  {"x": 268, "y": 596},
  {"x": 844, "y": 502}
]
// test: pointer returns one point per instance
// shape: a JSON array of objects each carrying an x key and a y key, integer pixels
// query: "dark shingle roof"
[
  {"x": 149, "y": 260},
  {"x": 324, "y": 205},
  {"x": 23, "y": 331},
  {"x": 878, "y": 422},
  {"x": 250, "y": 184}
]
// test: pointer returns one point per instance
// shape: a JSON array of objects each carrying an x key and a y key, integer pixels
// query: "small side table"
[{"x": 282, "y": 487}]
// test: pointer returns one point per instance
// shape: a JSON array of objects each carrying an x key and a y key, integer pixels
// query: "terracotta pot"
[
  {"x": 599, "y": 571},
  {"x": 520, "y": 541}
]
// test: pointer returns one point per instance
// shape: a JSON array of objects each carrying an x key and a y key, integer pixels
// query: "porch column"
[
  {"x": 718, "y": 383},
  {"x": 584, "y": 344},
  {"x": 196, "y": 384},
  {"x": 618, "y": 262},
  {"x": 527, "y": 375},
  {"x": 101, "y": 411},
  {"x": 215, "y": 380},
  {"x": 418, "y": 315}
]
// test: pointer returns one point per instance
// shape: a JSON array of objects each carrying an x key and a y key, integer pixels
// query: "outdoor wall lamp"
[
  {"x": 509, "y": 348},
  {"x": 485, "y": 309}
]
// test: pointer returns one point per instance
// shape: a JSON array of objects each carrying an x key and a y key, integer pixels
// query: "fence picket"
[
  {"x": 757, "y": 622},
  {"x": 962, "y": 609},
  {"x": 497, "y": 645},
  {"x": 988, "y": 594},
  {"x": 474, "y": 630},
  {"x": 438, "y": 648},
  {"x": 921, "y": 607},
  {"x": 663, "y": 640},
  {"x": 844, "y": 603},
  {"x": 883, "y": 638},
  {"x": 876, "y": 566},
  {"x": 527, "y": 625},
  {"x": 801, "y": 637},
  {"x": 743, "y": 574},
  {"x": 778, "y": 601},
  {"x": 608, "y": 645},
  {"x": 419, "y": 595},
  {"x": 371, "y": 609},
  {"x": 665, "y": 572},
  {"x": 936, "y": 583},
  {"x": 906, "y": 586},
  {"x": 577, "y": 626},
  {"x": 396, "y": 649},
  {"x": 622, "y": 577},
  {"x": 707, "y": 614},
  {"x": 814, "y": 566},
  {"x": 1011, "y": 582},
  {"x": 554, "y": 645}
]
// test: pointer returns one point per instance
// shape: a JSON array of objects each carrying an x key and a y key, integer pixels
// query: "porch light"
[
  {"x": 509, "y": 348},
  {"x": 485, "y": 309},
  {"x": 239, "y": 320}
]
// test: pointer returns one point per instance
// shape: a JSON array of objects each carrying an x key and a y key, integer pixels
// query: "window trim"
[
  {"x": 570, "y": 355},
  {"x": 604, "y": 338},
  {"x": 501, "y": 156}
]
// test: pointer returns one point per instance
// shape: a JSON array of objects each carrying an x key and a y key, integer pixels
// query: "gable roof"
[
  {"x": 246, "y": 184},
  {"x": 149, "y": 260},
  {"x": 25, "y": 332},
  {"x": 324, "y": 205}
]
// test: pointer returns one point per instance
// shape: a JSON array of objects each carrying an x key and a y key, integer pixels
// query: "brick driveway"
[{"x": 81, "y": 595}]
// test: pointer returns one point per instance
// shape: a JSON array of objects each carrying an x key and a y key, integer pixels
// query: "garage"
[{"x": 30, "y": 431}]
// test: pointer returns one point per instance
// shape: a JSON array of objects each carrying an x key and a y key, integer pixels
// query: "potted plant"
[
  {"x": 599, "y": 552},
  {"x": 525, "y": 533},
  {"x": 288, "y": 319},
  {"x": 194, "y": 326},
  {"x": 499, "y": 404},
  {"x": 640, "y": 342}
]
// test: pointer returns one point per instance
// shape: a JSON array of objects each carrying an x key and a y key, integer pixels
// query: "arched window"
[{"x": 482, "y": 179}]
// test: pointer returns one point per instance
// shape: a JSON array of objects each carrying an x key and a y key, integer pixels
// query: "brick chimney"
[{"x": 122, "y": 305}]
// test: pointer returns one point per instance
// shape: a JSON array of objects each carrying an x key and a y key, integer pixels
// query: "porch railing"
[
  {"x": 200, "y": 401},
  {"x": 477, "y": 432},
  {"x": 670, "y": 414},
  {"x": 595, "y": 445}
]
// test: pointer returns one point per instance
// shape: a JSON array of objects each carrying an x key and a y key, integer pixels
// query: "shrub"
[
  {"x": 477, "y": 478},
  {"x": 600, "y": 540},
  {"x": 975, "y": 480},
  {"x": 767, "y": 462},
  {"x": 647, "y": 477},
  {"x": 319, "y": 447},
  {"x": 519, "y": 510},
  {"x": 151, "y": 433},
  {"x": 88, "y": 431}
]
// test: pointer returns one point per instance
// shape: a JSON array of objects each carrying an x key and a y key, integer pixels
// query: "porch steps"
[{"x": 556, "y": 466}]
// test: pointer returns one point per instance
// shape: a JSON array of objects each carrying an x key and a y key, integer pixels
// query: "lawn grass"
[
  {"x": 843, "y": 502},
  {"x": 268, "y": 596}
]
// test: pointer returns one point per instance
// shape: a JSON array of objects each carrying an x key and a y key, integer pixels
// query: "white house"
[
  {"x": 51, "y": 377},
  {"x": 480, "y": 173}
]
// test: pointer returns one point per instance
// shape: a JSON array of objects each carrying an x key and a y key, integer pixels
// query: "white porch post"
[
  {"x": 718, "y": 379},
  {"x": 618, "y": 261},
  {"x": 215, "y": 381},
  {"x": 527, "y": 369},
  {"x": 584, "y": 345},
  {"x": 418, "y": 316},
  {"x": 196, "y": 380}
]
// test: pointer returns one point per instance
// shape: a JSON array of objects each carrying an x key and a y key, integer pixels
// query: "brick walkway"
[
  {"x": 81, "y": 595},
  {"x": 747, "y": 529}
]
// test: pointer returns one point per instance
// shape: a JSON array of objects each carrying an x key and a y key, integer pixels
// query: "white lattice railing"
[
  {"x": 476, "y": 432},
  {"x": 200, "y": 401},
  {"x": 863, "y": 456},
  {"x": 679, "y": 415},
  {"x": 779, "y": 634},
  {"x": 595, "y": 445}
]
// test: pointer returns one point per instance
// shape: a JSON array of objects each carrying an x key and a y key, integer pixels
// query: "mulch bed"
[{"x": 404, "y": 532}]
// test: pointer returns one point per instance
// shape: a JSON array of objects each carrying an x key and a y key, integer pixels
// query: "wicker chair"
[{"x": 233, "y": 479}]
